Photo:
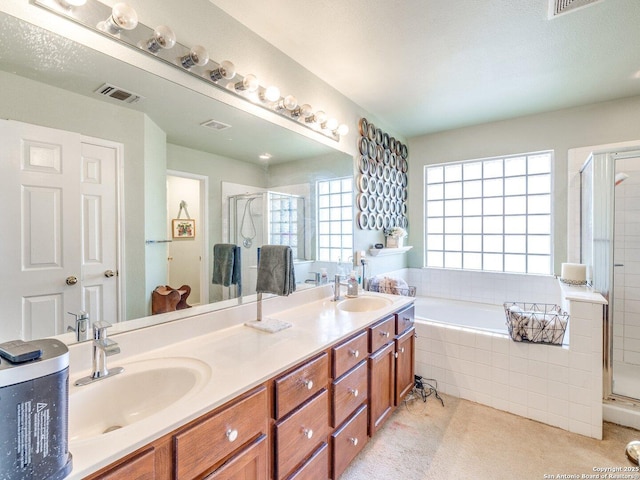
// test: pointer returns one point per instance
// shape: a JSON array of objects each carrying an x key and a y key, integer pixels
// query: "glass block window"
[
  {"x": 335, "y": 219},
  {"x": 286, "y": 222},
  {"x": 492, "y": 214}
]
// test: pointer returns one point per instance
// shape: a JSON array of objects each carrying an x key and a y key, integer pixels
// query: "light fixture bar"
[{"x": 93, "y": 14}]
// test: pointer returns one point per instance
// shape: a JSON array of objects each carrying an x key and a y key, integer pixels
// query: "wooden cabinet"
[
  {"x": 381, "y": 386},
  {"x": 205, "y": 444},
  {"x": 316, "y": 467},
  {"x": 300, "y": 384},
  {"x": 405, "y": 370},
  {"x": 348, "y": 440},
  {"x": 251, "y": 463},
  {"x": 306, "y": 424}
]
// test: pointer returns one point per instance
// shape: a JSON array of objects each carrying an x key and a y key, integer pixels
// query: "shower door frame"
[{"x": 607, "y": 360}]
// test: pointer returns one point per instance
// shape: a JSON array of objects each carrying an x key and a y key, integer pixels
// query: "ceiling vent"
[
  {"x": 215, "y": 125},
  {"x": 558, "y": 7},
  {"x": 118, "y": 93}
]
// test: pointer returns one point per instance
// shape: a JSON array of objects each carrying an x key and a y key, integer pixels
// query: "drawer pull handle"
[
  {"x": 407, "y": 319},
  {"x": 402, "y": 350},
  {"x": 355, "y": 353},
  {"x": 354, "y": 441},
  {"x": 232, "y": 435},
  {"x": 354, "y": 392},
  {"x": 307, "y": 432},
  {"x": 308, "y": 384},
  {"x": 384, "y": 334},
  {"x": 395, "y": 355}
]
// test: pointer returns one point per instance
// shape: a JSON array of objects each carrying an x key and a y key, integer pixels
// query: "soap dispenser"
[{"x": 352, "y": 285}]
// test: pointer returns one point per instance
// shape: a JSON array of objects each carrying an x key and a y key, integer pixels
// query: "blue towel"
[
  {"x": 275, "y": 270},
  {"x": 227, "y": 265}
]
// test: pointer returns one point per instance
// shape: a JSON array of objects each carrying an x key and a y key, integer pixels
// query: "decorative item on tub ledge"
[
  {"x": 574, "y": 274},
  {"x": 121, "y": 24},
  {"x": 382, "y": 179}
]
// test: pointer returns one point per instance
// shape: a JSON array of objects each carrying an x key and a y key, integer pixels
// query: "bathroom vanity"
[{"x": 302, "y": 408}]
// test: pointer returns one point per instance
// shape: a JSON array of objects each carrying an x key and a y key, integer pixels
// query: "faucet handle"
[{"x": 100, "y": 330}]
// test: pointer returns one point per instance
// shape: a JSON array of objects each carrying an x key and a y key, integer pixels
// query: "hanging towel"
[
  {"x": 227, "y": 265},
  {"x": 275, "y": 270}
]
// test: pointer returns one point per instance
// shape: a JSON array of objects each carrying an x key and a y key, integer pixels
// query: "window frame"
[{"x": 455, "y": 197}]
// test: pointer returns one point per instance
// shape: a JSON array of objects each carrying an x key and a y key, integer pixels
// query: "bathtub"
[{"x": 478, "y": 316}]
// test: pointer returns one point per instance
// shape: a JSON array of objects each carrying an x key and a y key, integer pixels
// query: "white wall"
[{"x": 601, "y": 123}]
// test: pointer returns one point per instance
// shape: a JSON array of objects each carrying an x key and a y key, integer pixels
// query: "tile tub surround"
[
  {"x": 559, "y": 386},
  {"x": 239, "y": 359}
]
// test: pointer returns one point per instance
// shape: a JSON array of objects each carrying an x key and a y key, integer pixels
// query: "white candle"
[{"x": 575, "y": 273}]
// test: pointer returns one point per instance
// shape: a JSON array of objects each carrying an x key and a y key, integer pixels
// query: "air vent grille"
[
  {"x": 558, "y": 7},
  {"x": 215, "y": 125},
  {"x": 117, "y": 93}
]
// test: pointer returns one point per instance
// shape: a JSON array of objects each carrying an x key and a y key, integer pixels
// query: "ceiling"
[{"x": 423, "y": 66}]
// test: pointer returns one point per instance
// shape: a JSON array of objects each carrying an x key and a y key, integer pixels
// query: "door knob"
[
  {"x": 109, "y": 273},
  {"x": 71, "y": 280}
]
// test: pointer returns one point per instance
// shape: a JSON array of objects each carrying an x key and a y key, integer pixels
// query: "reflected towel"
[
  {"x": 275, "y": 270},
  {"x": 226, "y": 264}
]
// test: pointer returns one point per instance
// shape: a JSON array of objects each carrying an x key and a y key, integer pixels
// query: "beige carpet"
[{"x": 465, "y": 440}]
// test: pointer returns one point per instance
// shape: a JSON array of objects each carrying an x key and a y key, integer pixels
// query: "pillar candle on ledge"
[{"x": 574, "y": 273}]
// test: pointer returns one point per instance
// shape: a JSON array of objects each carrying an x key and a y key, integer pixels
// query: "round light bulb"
[
  {"x": 226, "y": 70},
  {"x": 305, "y": 110},
  {"x": 331, "y": 124},
  {"x": 163, "y": 37},
  {"x": 123, "y": 17},
  {"x": 290, "y": 102},
  {"x": 320, "y": 117},
  {"x": 342, "y": 129},
  {"x": 197, "y": 56},
  {"x": 272, "y": 93},
  {"x": 248, "y": 83}
]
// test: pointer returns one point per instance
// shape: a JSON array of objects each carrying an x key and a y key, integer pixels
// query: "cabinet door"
[
  {"x": 139, "y": 467},
  {"x": 381, "y": 386},
  {"x": 404, "y": 364},
  {"x": 249, "y": 464}
]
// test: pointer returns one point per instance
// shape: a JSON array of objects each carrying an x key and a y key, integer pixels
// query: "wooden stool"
[{"x": 166, "y": 299}]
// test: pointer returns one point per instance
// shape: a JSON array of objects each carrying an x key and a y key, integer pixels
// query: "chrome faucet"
[
  {"x": 82, "y": 326},
  {"x": 315, "y": 280},
  {"x": 103, "y": 347},
  {"x": 336, "y": 287}
]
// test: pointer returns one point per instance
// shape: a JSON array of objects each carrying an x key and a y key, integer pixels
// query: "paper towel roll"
[{"x": 574, "y": 273}]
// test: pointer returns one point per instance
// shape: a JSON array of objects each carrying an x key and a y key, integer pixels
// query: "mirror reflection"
[{"x": 158, "y": 189}]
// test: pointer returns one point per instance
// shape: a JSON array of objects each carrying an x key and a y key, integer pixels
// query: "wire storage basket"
[
  {"x": 390, "y": 285},
  {"x": 536, "y": 322}
]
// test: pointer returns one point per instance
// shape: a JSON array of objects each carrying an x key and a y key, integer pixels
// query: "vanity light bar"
[{"x": 160, "y": 43}]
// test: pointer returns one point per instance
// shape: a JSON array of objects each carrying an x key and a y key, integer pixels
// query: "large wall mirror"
[{"x": 168, "y": 167}]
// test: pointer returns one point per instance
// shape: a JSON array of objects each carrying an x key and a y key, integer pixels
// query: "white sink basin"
[
  {"x": 143, "y": 389},
  {"x": 364, "y": 303}
]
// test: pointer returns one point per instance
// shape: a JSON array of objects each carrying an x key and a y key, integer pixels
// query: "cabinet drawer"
[
  {"x": 349, "y": 440},
  {"x": 382, "y": 333},
  {"x": 200, "y": 447},
  {"x": 316, "y": 468},
  {"x": 405, "y": 319},
  {"x": 250, "y": 462},
  {"x": 348, "y": 354},
  {"x": 141, "y": 467},
  {"x": 349, "y": 392},
  {"x": 297, "y": 386},
  {"x": 301, "y": 432}
]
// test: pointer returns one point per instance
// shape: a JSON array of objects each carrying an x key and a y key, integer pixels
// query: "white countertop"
[
  {"x": 237, "y": 358},
  {"x": 581, "y": 293}
]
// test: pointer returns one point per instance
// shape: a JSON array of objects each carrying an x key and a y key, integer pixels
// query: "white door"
[{"x": 56, "y": 203}]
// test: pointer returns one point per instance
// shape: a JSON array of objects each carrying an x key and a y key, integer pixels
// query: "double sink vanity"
[{"x": 207, "y": 397}]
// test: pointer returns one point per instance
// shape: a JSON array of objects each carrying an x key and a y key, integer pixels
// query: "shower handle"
[{"x": 618, "y": 264}]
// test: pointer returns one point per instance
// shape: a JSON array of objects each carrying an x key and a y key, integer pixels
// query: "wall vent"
[
  {"x": 215, "y": 125},
  {"x": 118, "y": 93},
  {"x": 558, "y": 7}
]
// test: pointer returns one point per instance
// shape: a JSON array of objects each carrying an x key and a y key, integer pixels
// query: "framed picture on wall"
[{"x": 183, "y": 228}]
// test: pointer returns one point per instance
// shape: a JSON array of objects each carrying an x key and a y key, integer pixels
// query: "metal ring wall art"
[{"x": 382, "y": 179}]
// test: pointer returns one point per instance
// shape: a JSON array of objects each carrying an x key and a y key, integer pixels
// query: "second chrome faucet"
[{"x": 102, "y": 347}]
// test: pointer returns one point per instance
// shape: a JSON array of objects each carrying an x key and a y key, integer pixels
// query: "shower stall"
[
  {"x": 256, "y": 219},
  {"x": 610, "y": 247}
]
